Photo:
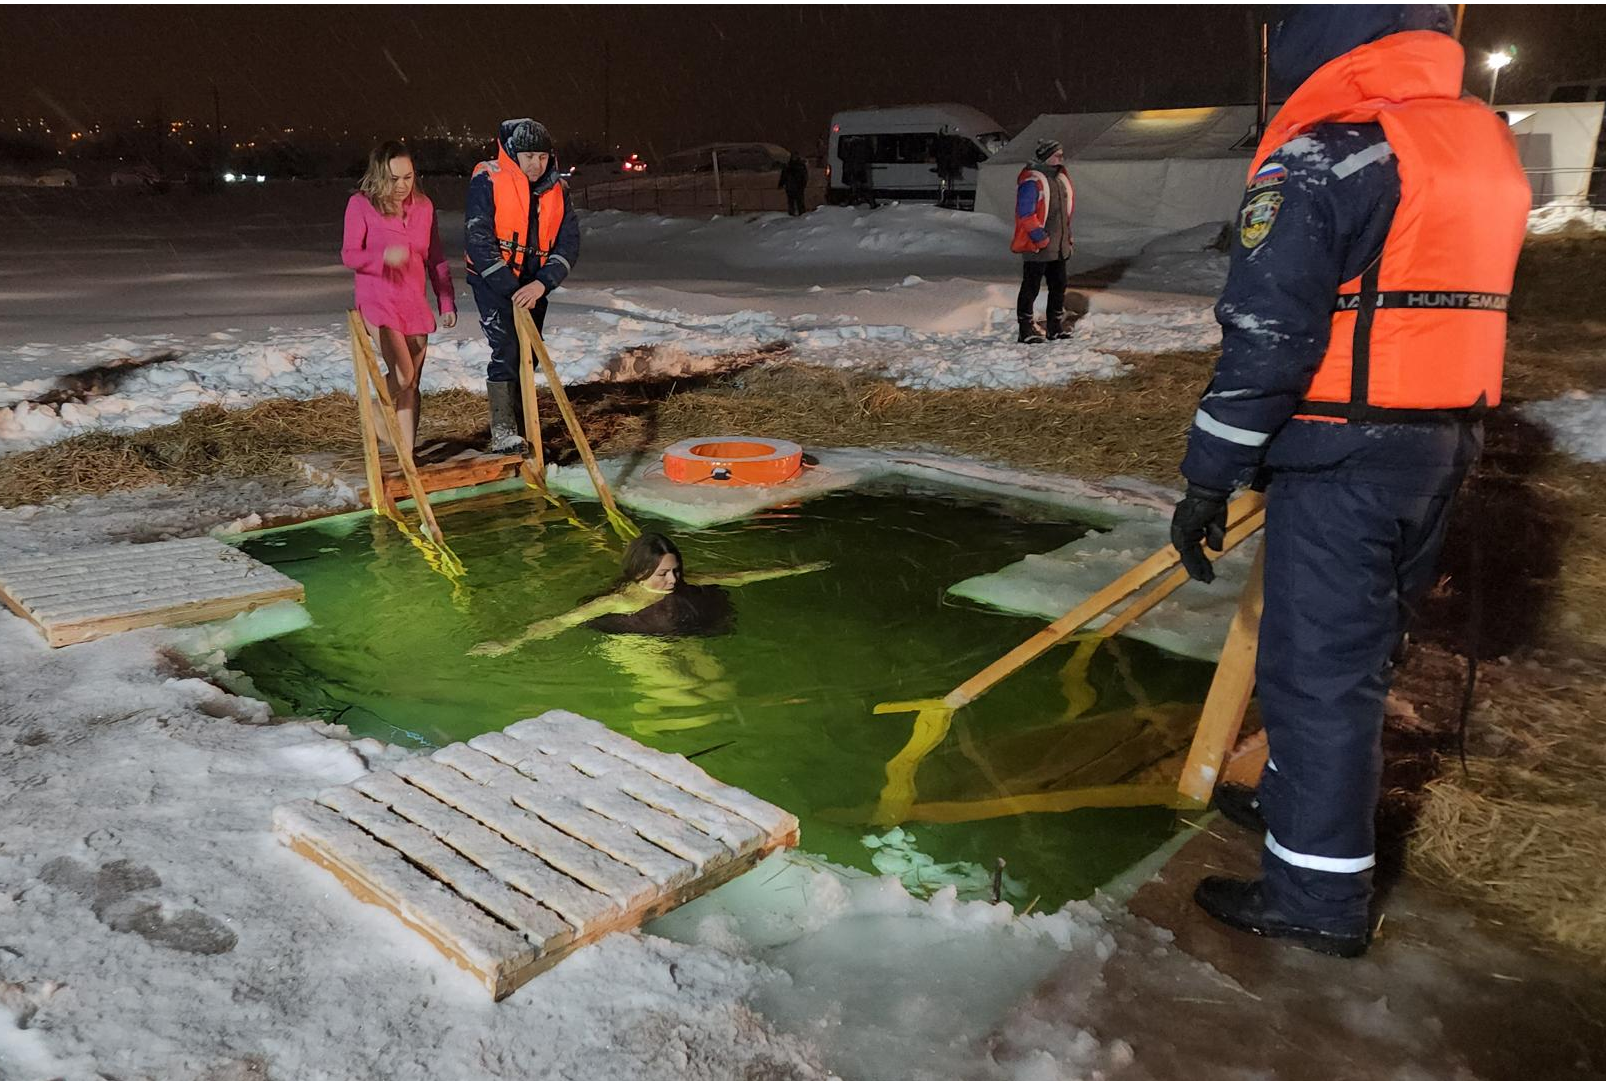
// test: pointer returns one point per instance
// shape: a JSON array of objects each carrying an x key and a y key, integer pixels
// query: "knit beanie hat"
[
  {"x": 526, "y": 136},
  {"x": 1047, "y": 148}
]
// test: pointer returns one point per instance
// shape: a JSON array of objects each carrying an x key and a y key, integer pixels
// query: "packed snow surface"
[{"x": 1576, "y": 421}]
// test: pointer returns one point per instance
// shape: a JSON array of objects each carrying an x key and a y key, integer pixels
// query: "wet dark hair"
[{"x": 644, "y": 554}]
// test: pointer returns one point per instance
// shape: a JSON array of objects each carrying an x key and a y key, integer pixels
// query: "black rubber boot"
[
  {"x": 1239, "y": 805},
  {"x": 1241, "y": 904},
  {"x": 1029, "y": 334},
  {"x": 504, "y": 402}
]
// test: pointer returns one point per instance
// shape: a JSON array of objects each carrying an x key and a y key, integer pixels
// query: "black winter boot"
[
  {"x": 1239, "y": 804},
  {"x": 1056, "y": 327},
  {"x": 1242, "y": 905},
  {"x": 1029, "y": 334},
  {"x": 504, "y": 402}
]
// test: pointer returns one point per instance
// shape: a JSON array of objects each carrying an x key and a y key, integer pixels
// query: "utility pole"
[
  {"x": 1265, "y": 83},
  {"x": 607, "y": 97},
  {"x": 217, "y": 133}
]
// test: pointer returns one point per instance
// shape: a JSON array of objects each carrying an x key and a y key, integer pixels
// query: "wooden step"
[{"x": 511, "y": 851}]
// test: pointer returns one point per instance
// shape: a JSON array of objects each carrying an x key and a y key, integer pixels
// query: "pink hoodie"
[{"x": 394, "y": 296}]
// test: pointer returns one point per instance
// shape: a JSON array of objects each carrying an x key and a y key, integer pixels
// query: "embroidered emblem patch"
[
  {"x": 1256, "y": 218},
  {"x": 1268, "y": 176}
]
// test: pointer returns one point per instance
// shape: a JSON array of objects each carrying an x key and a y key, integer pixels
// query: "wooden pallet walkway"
[
  {"x": 88, "y": 593},
  {"x": 441, "y": 467},
  {"x": 509, "y": 852}
]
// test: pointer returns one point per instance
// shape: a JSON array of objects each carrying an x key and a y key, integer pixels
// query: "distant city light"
[{"x": 228, "y": 178}]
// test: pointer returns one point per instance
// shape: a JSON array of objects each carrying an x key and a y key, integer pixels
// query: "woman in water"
[
  {"x": 392, "y": 242},
  {"x": 652, "y": 621},
  {"x": 653, "y": 597}
]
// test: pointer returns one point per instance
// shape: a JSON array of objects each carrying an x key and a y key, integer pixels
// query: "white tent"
[
  {"x": 1558, "y": 147},
  {"x": 1143, "y": 175},
  {"x": 1138, "y": 175}
]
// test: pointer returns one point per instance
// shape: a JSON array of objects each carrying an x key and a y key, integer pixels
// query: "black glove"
[{"x": 1200, "y": 515}]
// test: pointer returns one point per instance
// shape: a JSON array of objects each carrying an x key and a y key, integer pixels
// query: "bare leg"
[
  {"x": 408, "y": 399},
  {"x": 401, "y": 379}
]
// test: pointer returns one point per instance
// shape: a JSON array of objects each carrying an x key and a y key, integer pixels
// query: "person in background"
[
  {"x": 949, "y": 151},
  {"x": 1044, "y": 200},
  {"x": 855, "y": 153},
  {"x": 521, "y": 240},
  {"x": 795, "y": 179},
  {"x": 392, "y": 241}
]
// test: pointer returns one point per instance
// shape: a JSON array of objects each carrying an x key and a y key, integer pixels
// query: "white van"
[{"x": 900, "y": 147}]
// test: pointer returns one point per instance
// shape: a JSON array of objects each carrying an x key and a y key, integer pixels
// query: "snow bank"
[
  {"x": 884, "y": 985},
  {"x": 1566, "y": 218},
  {"x": 1192, "y": 623},
  {"x": 828, "y": 237},
  {"x": 155, "y": 929},
  {"x": 1577, "y": 422},
  {"x": 974, "y": 347}
]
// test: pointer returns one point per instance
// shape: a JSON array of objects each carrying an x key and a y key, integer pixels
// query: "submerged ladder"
[
  {"x": 1152, "y": 580},
  {"x": 376, "y": 412}
]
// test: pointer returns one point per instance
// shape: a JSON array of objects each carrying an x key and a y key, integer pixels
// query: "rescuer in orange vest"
[
  {"x": 520, "y": 241},
  {"x": 1363, "y": 336}
]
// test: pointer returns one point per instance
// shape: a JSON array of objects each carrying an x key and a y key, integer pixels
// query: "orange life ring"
[{"x": 732, "y": 459}]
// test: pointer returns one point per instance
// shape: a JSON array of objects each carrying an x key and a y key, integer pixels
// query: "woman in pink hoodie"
[{"x": 392, "y": 241}]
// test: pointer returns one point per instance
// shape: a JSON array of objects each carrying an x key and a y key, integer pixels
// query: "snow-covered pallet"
[
  {"x": 462, "y": 468},
  {"x": 87, "y": 593},
  {"x": 511, "y": 851}
]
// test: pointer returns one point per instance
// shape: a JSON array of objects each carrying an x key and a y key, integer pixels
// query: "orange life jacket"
[
  {"x": 1421, "y": 333},
  {"x": 510, "y": 194},
  {"x": 1023, "y": 242}
]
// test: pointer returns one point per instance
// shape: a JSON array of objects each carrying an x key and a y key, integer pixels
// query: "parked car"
[
  {"x": 135, "y": 176},
  {"x": 732, "y": 157},
  {"x": 56, "y": 178},
  {"x": 900, "y": 147},
  {"x": 597, "y": 168}
]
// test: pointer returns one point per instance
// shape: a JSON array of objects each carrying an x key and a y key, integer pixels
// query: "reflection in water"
[
  {"x": 783, "y": 706},
  {"x": 678, "y": 684}
]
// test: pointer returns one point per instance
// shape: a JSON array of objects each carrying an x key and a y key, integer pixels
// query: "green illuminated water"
[{"x": 782, "y": 707}]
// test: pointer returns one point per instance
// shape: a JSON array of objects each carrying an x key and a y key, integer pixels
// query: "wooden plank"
[
  {"x": 508, "y": 873},
  {"x": 501, "y": 858},
  {"x": 175, "y": 616},
  {"x": 530, "y": 336},
  {"x": 377, "y": 494},
  {"x": 387, "y": 416},
  {"x": 1246, "y": 761},
  {"x": 380, "y": 876},
  {"x": 673, "y": 768},
  {"x": 629, "y": 919},
  {"x": 578, "y": 821},
  {"x": 1230, "y": 691},
  {"x": 580, "y": 861},
  {"x": 82, "y": 594},
  {"x": 517, "y": 910},
  {"x": 1241, "y": 508},
  {"x": 559, "y": 779},
  {"x": 464, "y": 469},
  {"x": 571, "y": 744},
  {"x": 733, "y": 831}
]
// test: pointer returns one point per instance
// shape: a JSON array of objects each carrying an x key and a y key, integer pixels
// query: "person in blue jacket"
[
  {"x": 521, "y": 240},
  {"x": 1356, "y": 360}
]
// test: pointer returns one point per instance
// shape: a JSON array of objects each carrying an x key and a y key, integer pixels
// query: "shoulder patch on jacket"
[
  {"x": 1268, "y": 175},
  {"x": 1257, "y": 217}
]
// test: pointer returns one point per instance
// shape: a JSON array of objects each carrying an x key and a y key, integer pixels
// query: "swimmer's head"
[{"x": 653, "y": 560}]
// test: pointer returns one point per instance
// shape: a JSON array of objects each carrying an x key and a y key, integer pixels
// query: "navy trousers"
[
  {"x": 1348, "y": 554},
  {"x": 496, "y": 320}
]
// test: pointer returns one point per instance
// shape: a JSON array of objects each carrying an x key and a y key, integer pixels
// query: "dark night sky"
[{"x": 680, "y": 75}]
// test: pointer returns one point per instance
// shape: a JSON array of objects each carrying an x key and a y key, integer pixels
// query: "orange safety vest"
[
  {"x": 510, "y": 194},
  {"x": 1421, "y": 333},
  {"x": 1023, "y": 242}
]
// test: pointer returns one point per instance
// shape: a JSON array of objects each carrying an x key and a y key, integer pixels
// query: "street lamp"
[{"x": 1495, "y": 62}]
